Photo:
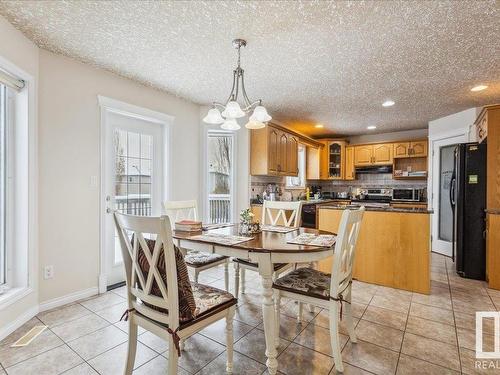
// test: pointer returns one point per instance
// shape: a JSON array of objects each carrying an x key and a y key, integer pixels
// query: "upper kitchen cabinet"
[
  {"x": 332, "y": 160},
  {"x": 350, "y": 172},
  {"x": 411, "y": 149},
  {"x": 273, "y": 151},
  {"x": 377, "y": 154},
  {"x": 313, "y": 163}
]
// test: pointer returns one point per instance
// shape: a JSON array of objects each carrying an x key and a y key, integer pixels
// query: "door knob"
[{"x": 109, "y": 210}]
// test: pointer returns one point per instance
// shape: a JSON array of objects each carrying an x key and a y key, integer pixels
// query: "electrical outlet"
[{"x": 48, "y": 272}]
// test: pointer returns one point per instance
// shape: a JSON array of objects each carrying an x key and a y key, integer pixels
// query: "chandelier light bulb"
[
  {"x": 213, "y": 117},
  {"x": 260, "y": 114},
  {"x": 233, "y": 110},
  {"x": 254, "y": 124},
  {"x": 230, "y": 124}
]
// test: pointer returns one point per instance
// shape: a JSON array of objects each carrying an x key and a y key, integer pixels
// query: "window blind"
[{"x": 11, "y": 81}]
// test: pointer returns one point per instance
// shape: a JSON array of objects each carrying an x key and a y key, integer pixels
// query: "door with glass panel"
[
  {"x": 133, "y": 174},
  {"x": 442, "y": 223}
]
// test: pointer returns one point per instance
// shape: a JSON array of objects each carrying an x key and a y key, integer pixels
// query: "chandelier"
[{"x": 231, "y": 110}]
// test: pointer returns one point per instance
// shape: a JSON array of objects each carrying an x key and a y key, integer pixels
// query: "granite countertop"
[
  {"x": 381, "y": 209},
  {"x": 314, "y": 201}
]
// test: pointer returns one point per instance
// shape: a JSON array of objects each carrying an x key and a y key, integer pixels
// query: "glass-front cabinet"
[{"x": 333, "y": 163}]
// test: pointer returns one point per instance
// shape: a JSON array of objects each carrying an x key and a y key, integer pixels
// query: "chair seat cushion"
[
  {"x": 187, "y": 303},
  {"x": 306, "y": 281},
  {"x": 200, "y": 259},
  {"x": 247, "y": 263},
  {"x": 209, "y": 300}
]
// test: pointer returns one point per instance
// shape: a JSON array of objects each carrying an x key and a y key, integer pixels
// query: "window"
[
  {"x": 220, "y": 172},
  {"x": 299, "y": 182}
]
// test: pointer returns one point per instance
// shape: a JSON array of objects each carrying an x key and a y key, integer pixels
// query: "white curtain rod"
[{"x": 11, "y": 81}]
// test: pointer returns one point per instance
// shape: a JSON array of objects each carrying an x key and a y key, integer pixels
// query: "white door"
[
  {"x": 132, "y": 178},
  {"x": 442, "y": 223}
]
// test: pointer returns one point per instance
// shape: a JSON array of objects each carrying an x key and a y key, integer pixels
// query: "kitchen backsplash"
[{"x": 259, "y": 183}]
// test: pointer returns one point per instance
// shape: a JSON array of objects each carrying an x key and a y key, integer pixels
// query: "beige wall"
[
  {"x": 18, "y": 50},
  {"x": 69, "y": 121}
]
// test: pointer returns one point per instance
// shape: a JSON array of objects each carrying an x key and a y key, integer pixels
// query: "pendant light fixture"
[{"x": 231, "y": 109}]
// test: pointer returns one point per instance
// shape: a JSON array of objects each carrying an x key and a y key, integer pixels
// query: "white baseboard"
[
  {"x": 68, "y": 298},
  {"x": 12, "y": 326},
  {"x": 103, "y": 283}
]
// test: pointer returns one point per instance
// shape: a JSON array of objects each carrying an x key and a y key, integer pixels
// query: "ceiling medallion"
[{"x": 231, "y": 110}]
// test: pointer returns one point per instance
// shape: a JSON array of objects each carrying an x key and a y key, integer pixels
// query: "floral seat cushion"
[
  {"x": 199, "y": 259},
  {"x": 306, "y": 281},
  {"x": 277, "y": 266},
  {"x": 209, "y": 300}
]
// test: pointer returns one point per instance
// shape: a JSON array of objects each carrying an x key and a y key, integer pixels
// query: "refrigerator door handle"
[{"x": 452, "y": 192}]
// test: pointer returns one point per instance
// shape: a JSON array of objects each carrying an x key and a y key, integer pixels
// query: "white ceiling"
[{"x": 310, "y": 61}]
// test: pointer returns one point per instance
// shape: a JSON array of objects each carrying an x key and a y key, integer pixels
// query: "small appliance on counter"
[
  {"x": 271, "y": 193},
  {"x": 406, "y": 194}
]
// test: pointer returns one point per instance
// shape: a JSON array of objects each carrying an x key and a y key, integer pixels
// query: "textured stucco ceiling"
[{"x": 310, "y": 61}]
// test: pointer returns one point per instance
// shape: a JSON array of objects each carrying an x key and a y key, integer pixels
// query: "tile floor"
[{"x": 398, "y": 333}]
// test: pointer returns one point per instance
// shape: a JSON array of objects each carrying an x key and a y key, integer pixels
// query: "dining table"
[{"x": 264, "y": 248}]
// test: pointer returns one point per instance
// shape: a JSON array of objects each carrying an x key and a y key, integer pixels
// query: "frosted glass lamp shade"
[
  {"x": 254, "y": 124},
  {"x": 260, "y": 114},
  {"x": 230, "y": 124},
  {"x": 233, "y": 110},
  {"x": 213, "y": 117}
]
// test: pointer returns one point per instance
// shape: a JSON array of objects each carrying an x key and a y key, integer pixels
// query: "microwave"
[{"x": 406, "y": 194}]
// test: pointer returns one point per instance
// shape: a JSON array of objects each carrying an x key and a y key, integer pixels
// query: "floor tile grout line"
[
  {"x": 404, "y": 334},
  {"x": 455, "y": 324},
  {"x": 34, "y": 356}
]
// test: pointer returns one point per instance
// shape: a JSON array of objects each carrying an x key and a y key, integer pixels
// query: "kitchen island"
[{"x": 393, "y": 246}]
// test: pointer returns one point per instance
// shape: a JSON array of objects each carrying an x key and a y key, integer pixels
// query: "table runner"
[{"x": 314, "y": 240}]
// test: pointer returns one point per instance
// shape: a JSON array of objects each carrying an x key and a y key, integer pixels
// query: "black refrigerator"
[{"x": 468, "y": 202}]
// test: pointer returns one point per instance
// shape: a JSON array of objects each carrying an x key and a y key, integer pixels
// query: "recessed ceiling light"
[
  {"x": 371, "y": 127},
  {"x": 319, "y": 126},
  {"x": 479, "y": 88},
  {"x": 388, "y": 103}
]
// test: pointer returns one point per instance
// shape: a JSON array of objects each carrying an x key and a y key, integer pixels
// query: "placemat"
[
  {"x": 222, "y": 239},
  {"x": 325, "y": 240},
  {"x": 216, "y": 226},
  {"x": 277, "y": 228}
]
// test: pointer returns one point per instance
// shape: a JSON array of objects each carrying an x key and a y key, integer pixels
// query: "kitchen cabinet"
[
  {"x": 493, "y": 250},
  {"x": 350, "y": 172},
  {"x": 382, "y": 154},
  {"x": 363, "y": 155},
  {"x": 332, "y": 160},
  {"x": 377, "y": 154},
  {"x": 292, "y": 162},
  {"x": 273, "y": 152},
  {"x": 313, "y": 163},
  {"x": 411, "y": 149},
  {"x": 393, "y": 248}
]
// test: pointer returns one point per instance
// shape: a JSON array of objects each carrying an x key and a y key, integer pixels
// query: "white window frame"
[
  {"x": 215, "y": 130},
  {"x": 289, "y": 185},
  {"x": 22, "y": 185}
]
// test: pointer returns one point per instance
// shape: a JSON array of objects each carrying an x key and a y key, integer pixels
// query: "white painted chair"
[
  {"x": 144, "y": 305},
  {"x": 332, "y": 292},
  {"x": 272, "y": 212},
  {"x": 198, "y": 261}
]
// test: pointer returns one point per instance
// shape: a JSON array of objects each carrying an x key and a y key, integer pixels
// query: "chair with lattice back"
[
  {"x": 329, "y": 291},
  {"x": 196, "y": 260},
  {"x": 159, "y": 292},
  {"x": 273, "y": 213}
]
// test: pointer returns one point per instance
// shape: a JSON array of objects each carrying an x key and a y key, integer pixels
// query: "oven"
[{"x": 406, "y": 195}]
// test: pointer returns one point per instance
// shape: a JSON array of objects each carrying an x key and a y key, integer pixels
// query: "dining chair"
[
  {"x": 196, "y": 260},
  {"x": 272, "y": 212},
  {"x": 329, "y": 291},
  {"x": 160, "y": 296}
]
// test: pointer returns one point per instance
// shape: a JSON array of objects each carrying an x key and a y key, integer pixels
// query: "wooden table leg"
[{"x": 266, "y": 273}]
